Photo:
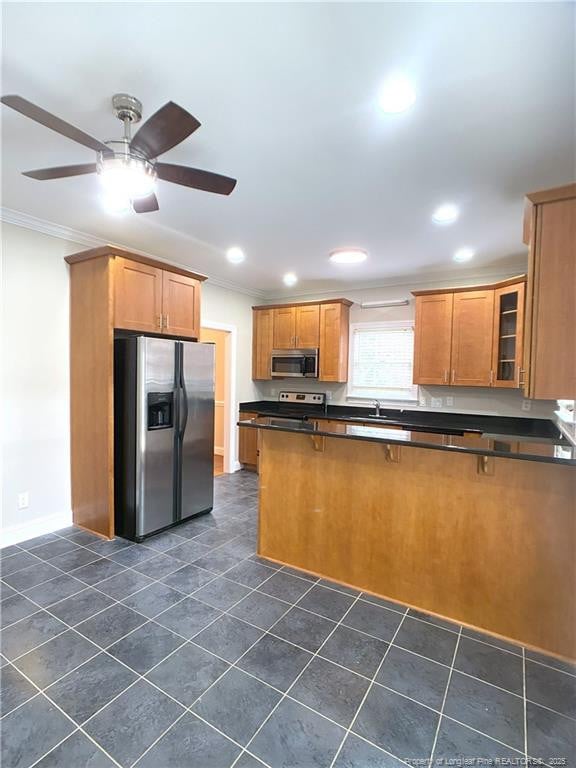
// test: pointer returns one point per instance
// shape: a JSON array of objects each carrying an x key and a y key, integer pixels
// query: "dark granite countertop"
[
  {"x": 501, "y": 426},
  {"x": 543, "y": 448}
]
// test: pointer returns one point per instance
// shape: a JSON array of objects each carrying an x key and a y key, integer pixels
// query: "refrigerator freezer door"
[
  {"x": 196, "y": 424},
  {"x": 156, "y": 424}
]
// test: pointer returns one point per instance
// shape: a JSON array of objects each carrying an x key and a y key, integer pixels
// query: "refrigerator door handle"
[{"x": 184, "y": 404}]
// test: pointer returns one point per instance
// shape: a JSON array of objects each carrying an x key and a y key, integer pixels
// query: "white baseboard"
[
  {"x": 235, "y": 466},
  {"x": 36, "y": 527}
]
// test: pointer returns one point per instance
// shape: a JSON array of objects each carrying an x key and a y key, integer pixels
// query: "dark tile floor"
[{"x": 191, "y": 652}]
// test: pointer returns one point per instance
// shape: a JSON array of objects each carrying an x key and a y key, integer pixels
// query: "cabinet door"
[
  {"x": 137, "y": 296},
  {"x": 307, "y": 326},
  {"x": 333, "y": 349},
  {"x": 181, "y": 305},
  {"x": 248, "y": 442},
  {"x": 285, "y": 328},
  {"x": 551, "y": 362},
  {"x": 433, "y": 338},
  {"x": 508, "y": 335},
  {"x": 262, "y": 338},
  {"x": 472, "y": 325}
]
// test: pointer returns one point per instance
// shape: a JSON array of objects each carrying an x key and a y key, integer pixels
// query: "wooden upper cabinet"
[
  {"x": 307, "y": 326},
  {"x": 433, "y": 338},
  {"x": 550, "y": 344},
  {"x": 472, "y": 328},
  {"x": 154, "y": 300},
  {"x": 333, "y": 347},
  {"x": 262, "y": 340},
  {"x": 180, "y": 305},
  {"x": 508, "y": 336},
  {"x": 285, "y": 327},
  {"x": 137, "y": 296}
]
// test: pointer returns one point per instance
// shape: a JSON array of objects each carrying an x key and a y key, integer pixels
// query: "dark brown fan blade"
[
  {"x": 166, "y": 128},
  {"x": 146, "y": 204},
  {"x": 195, "y": 178},
  {"x": 61, "y": 172},
  {"x": 55, "y": 123}
]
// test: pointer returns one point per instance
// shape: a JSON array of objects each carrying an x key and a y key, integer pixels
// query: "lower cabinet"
[{"x": 248, "y": 443}]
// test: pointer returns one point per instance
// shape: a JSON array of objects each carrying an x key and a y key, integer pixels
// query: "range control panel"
[{"x": 303, "y": 398}]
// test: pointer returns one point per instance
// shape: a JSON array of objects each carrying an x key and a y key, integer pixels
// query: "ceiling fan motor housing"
[{"x": 127, "y": 107}]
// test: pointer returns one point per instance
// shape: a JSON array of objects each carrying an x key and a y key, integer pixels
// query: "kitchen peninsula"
[{"x": 473, "y": 527}]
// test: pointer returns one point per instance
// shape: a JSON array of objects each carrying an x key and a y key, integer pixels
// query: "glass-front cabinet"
[{"x": 508, "y": 336}]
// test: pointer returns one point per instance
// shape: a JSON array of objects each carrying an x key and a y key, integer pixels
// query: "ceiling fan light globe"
[
  {"x": 126, "y": 177},
  {"x": 115, "y": 203}
]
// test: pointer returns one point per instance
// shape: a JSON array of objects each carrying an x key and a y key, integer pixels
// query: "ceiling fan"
[{"x": 128, "y": 167}]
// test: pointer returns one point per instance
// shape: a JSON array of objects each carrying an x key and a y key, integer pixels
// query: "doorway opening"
[{"x": 221, "y": 337}]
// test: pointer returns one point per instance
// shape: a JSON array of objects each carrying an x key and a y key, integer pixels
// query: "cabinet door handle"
[
  {"x": 521, "y": 379},
  {"x": 159, "y": 321},
  {"x": 453, "y": 375},
  {"x": 446, "y": 376},
  {"x": 491, "y": 377},
  {"x": 166, "y": 321}
]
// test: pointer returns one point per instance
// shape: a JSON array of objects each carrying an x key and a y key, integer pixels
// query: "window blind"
[{"x": 381, "y": 361}]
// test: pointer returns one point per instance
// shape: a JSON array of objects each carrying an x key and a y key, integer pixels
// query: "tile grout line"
[
  {"x": 366, "y": 693},
  {"x": 290, "y": 606},
  {"x": 525, "y": 714},
  {"x": 444, "y": 699},
  {"x": 77, "y": 727},
  {"x": 299, "y": 675},
  {"x": 284, "y": 693},
  {"x": 232, "y": 665}
]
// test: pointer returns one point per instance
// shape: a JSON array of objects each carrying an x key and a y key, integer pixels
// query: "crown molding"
[
  {"x": 26, "y": 221},
  {"x": 432, "y": 279}
]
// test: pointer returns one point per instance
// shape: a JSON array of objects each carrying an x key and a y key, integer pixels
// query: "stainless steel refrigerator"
[{"x": 164, "y": 433}]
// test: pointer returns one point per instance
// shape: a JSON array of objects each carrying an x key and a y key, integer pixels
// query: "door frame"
[{"x": 231, "y": 463}]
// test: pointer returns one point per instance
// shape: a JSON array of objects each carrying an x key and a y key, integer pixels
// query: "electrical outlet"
[
  {"x": 436, "y": 402},
  {"x": 274, "y": 391},
  {"x": 449, "y": 402},
  {"x": 23, "y": 500},
  {"x": 422, "y": 401},
  {"x": 526, "y": 405},
  {"x": 328, "y": 394}
]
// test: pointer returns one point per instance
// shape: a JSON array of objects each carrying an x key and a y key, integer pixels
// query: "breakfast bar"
[{"x": 474, "y": 529}]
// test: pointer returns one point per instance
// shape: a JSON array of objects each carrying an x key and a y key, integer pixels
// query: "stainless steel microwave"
[{"x": 294, "y": 363}]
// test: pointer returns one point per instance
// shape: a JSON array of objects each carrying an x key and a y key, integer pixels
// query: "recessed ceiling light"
[
  {"x": 396, "y": 95},
  {"x": 348, "y": 256},
  {"x": 235, "y": 255},
  {"x": 446, "y": 214},
  {"x": 290, "y": 279},
  {"x": 463, "y": 254}
]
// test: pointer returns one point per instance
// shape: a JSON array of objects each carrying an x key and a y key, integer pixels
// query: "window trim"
[{"x": 376, "y": 325}]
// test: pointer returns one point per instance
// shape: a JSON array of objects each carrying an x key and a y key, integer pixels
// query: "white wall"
[
  {"x": 35, "y": 379},
  {"x": 35, "y": 375},
  {"x": 504, "y": 402},
  {"x": 221, "y": 305}
]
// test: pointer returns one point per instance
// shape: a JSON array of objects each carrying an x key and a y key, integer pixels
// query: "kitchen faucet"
[{"x": 378, "y": 405}]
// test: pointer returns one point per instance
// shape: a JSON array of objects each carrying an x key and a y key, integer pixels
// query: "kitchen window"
[{"x": 381, "y": 357}]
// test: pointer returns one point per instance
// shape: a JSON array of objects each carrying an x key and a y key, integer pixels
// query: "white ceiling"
[{"x": 286, "y": 94}]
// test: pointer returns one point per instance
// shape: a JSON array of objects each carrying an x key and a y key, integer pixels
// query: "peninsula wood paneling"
[{"x": 494, "y": 551}]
